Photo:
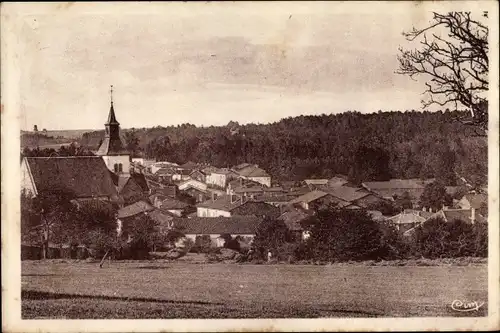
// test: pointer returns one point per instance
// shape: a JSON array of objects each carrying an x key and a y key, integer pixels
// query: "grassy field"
[{"x": 177, "y": 290}]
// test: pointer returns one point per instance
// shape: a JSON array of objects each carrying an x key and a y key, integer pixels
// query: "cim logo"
[{"x": 463, "y": 306}]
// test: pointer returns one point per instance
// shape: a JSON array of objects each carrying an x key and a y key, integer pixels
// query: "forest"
[{"x": 374, "y": 146}]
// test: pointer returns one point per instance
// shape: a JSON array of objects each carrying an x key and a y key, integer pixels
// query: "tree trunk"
[{"x": 45, "y": 245}]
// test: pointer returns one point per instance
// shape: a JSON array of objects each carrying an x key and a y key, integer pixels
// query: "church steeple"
[
  {"x": 112, "y": 144},
  {"x": 111, "y": 117}
]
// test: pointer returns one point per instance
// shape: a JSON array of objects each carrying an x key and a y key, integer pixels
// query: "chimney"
[{"x": 473, "y": 215}]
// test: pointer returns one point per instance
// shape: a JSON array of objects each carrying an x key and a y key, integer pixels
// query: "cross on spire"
[{"x": 111, "y": 93}]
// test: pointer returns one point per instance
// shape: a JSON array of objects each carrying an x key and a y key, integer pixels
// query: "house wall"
[
  {"x": 123, "y": 159},
  {"x": 199, "y": 176},
  {"x": 464, "y": 203},
  {"x": 197, "y": 194},
  {"x": 209, "y": 212},
  {"x": 217, "y": 179},
  {"x": 176, "y": 212},
  {"x": 26, "y": 180},
  {"x": 262, "y": 180},
  {"x": 195, "y": 184}
]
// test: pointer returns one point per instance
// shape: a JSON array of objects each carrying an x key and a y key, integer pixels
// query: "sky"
[{"x": 211, "y": 63}]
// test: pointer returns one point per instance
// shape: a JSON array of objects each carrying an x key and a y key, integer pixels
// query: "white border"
[{"x": 11, "y": 316}]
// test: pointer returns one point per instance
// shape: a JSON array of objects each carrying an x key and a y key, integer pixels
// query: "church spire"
[{"x": 112, "y": 118}]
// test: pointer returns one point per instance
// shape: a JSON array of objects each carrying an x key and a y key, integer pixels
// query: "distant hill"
[
  {"x": 373, "y": 146},
  {"x": 50, "y": 139}
]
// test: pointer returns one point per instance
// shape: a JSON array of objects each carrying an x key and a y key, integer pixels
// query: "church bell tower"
[{"x": 112, "y": 149}]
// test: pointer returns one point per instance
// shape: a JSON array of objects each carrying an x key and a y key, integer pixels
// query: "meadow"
[{"x": 182, "y": 290}]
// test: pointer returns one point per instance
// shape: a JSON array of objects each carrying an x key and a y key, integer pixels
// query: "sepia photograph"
[{"x": 272, "y": 161}]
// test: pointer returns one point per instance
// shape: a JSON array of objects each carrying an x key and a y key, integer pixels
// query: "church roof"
[
  {"x": 112, "y": 146},
  {"x": 111, "y": 117},
  {"x": 83, "y": 176}
]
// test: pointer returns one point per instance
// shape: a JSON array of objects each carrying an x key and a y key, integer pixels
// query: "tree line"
[
  {"x": 340, "y": 235},
  {"x": 375, "y": 146}
]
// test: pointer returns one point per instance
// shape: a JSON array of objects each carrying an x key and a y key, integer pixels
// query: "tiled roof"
[
  {"x": 283, "y": 198},
  {"x": 170, "y": 204},
  {"x": 239, "y": 182},
  {"x": 396, "y": 183},
  {"x": 164, "y": 219},
  {"x": 165, "y": 171},
  {"x": 84, "y": 176},
  {"x": 346, "y": 193},
  {"x": 141, "y": 181},
  {"x": 462, "y": 214},
  {"x": 337, "y": 181},
  {"x": 422, "y": 213},
  {"x": 405, "y": 218},
  {"x": 134, "y": 209},
  {"x": 253, "y": 171},
  {"x": 222, "y": 203},
  {"x": 192, "y": 183},
  {"x": 222, "y": 171},
  {"x": 241, "y": 166},
  {"x": 477, "y": 200},
  {"x": 309, "y": 197},
  {"x": 189, "y": 165},
  {"x": 235, "y": 225},
  {"x": 316, "y": 181}
]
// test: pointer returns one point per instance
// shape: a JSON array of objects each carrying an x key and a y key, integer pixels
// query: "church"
[{"x": 106, "y": 176}]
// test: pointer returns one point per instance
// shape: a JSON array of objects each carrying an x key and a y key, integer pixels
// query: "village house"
[
  {"x": 159, "y": 165},
  {"x": 256, "y": 208},
  {"x": 231, "y": 205},
  {"x": 198, "y": 175},
  {"x": 409, "y": 219},
  {"x": 220, "y": 206},
  {"x": 219, "y": 177},
  {"x": 197, "y": 194},
  {"x": 477, "y": 201},
  {"x": 171, "y": 205},
  {"x": 192, "y": 183},
  {"x": 449, "y": 215},
  {"x": 204, "y": 230},
  {"x": 316, "y": 199},
  {"x": 131, "y": 187},
  {"x": 279, "y": 201},
  {"x": 254, "y": 173},
  {"x": 293, "y": 217},
  {"x": 244, "y": 187},
  {"x": 355, "y": 195},
  {"x": 397, "y": 188},
  {"x": 313, "y": 183}
]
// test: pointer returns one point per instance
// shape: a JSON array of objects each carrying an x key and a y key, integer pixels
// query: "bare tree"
[{"x": 455, "y": 61}]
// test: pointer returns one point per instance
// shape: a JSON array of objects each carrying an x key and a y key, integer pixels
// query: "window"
[
  {"x": 116, "y": 167},
  {"x": 120, "y": 167}
]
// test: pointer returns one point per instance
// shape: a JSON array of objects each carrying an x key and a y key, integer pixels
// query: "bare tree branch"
[{"x": 455, "y": 63}]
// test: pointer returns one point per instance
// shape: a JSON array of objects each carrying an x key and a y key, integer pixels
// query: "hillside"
[{"x": 372, "y": 146}]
